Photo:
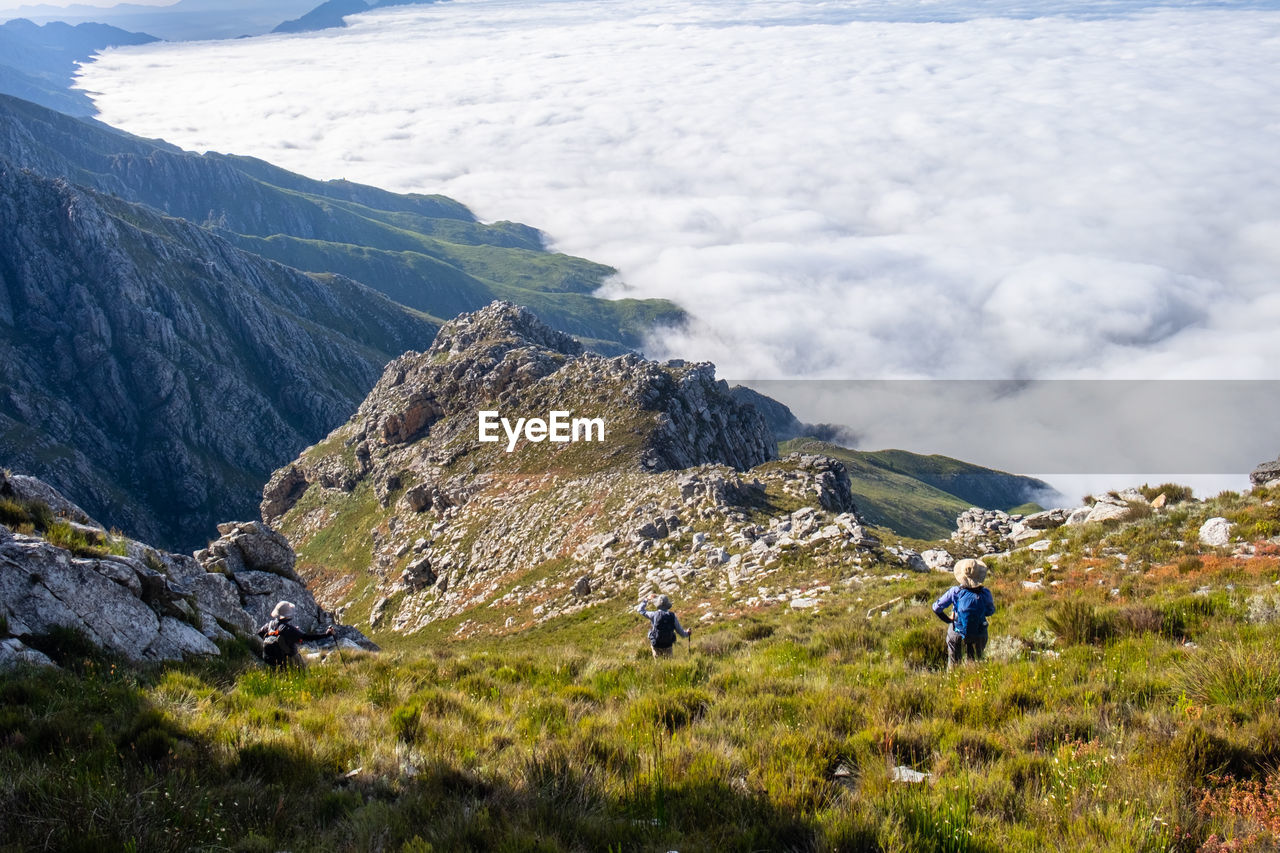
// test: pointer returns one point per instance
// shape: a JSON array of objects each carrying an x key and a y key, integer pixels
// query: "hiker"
[
  {"x": 662, "y": 636},
  {"x": 280, "y": 638},
  {"x": 967, "y": 629}
]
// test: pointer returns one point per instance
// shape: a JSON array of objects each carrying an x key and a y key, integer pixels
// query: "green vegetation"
[
  {"x": 35, "y": 517},
  {"x": 1129, "y": 707},
  {"x": 912, "y": 494}
]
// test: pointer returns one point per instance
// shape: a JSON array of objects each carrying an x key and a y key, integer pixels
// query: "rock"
[
  {"x": 583, "y": 587},
  {"x": 1105, "y": 510},
  {"x": 1041, "y": 545},
  {"x": 1265, "y": 473},
  {"x": 14, "y": 654},
  {"x": 418, "y": 574},
  {"x": 1046, "y": 520},
  {"x": 418, "y": 497},
  {"x": 938, "y": 559},
  {"x": 1216, "y": 532},
  {"x": 1159, "y": 501},
  {"x": 1078, "y": 515},
  {"x": 21, "y": 487},
  {"x": 905, "y": 774}
]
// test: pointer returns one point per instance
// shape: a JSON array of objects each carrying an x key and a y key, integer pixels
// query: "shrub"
[
  {"x": 1174, "y": 493},
  {"x": 406, "y": 722},
  {"x": 922, "y": 647},
  {"x": 1232, "y": 675},
  {"x": 753, "y": 631},
  {"x": 673, "y": 709},
  {"x": 1076, "y": 621},
  {"x": 16, "y": 513}
]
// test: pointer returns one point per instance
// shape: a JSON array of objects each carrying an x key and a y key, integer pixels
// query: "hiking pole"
[{"x": 337, "y": 646}]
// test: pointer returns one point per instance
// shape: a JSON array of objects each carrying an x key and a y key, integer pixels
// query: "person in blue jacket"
[
  {"x": 972, "y": 604},
  {"x": 662, "y": 636}
]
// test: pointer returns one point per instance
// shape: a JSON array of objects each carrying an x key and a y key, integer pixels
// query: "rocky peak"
[{"x": 420, "y": 419}]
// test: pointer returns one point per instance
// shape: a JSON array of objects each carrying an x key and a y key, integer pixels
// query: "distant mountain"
[
  {"x": 920, "y": 496},
  {"x": 426, "y": 252},
  {"x": 323, "y": 17},
  {"x": 186, "y": 20},
  {"x": 37, "y": 63}
]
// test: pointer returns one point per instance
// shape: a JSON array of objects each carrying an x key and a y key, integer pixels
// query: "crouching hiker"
[
  {"x": 280, "y": 638},
  {"x": 662, "y": 636},
  {"x": 967, "y": 629}
]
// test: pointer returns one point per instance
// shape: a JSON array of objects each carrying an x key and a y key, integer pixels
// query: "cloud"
[{"x": 837, "y": 190}]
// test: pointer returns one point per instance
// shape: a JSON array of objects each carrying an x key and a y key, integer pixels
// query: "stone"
[
  {"x": 1040, "y": 545},
  {"x": 1046, "y": 520},
  {"x": 583, "y": 587},
  {"x": 418, "y": 498},
  {"x": 938, "y": 559},
  {"x": 1265, "y": 473},
  {"x": 1107, "y": 511},
  {"x": 1216, "y": 532},
  {"x": 1159, "y": 501},
  {"x": 14, "y": 654}
]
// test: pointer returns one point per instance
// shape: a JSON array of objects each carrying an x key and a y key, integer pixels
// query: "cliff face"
[
  {"x": 403, "y": 516},
  {"x": 158, "y": 372}
]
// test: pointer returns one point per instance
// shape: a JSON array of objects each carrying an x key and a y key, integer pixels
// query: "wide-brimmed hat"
[
  {"x": 664, "y": 603},
  {"x": 284, "y": 610},
  {"x": 971, "y": 573}
]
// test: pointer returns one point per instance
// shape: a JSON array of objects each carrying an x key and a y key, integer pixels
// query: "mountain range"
[
  {"x": 159, "y": 368},
  {"x": 38, "y": 63}
]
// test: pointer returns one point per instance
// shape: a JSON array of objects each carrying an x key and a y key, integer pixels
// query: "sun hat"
[
  {"x": 284, "y": 610},
  {"x": 664, "y": 603},
  {"x": 971, "y": 573}
]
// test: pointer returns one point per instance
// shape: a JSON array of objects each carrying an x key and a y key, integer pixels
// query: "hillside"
[
  {"x": 1126, "y": 704},
  {"x": 426, "y": 252},
  {"x": 159, "y": 373},
  {"x": 912, "y": 494}
]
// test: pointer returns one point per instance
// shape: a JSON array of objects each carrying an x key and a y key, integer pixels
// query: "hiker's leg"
[
  {"x": 954, "y": 643},
  {"x": 664, "y": 652},
  {"x": 978, "y": 644},
  {"x": 296, "y": 661}
]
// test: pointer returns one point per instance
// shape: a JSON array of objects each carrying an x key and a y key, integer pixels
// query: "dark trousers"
[{"x": 973, "y": 645}]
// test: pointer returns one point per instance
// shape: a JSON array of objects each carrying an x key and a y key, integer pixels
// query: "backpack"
[
  {"x": 663, "y": 632},
  {"x": 273, "y": 651}
]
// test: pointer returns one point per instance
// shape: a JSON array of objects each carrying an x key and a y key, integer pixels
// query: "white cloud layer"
[
  {"x": 840, "y": 190},
  {"x": 845, "y": 189}
]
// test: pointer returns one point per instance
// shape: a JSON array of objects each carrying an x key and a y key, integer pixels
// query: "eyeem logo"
[{"x": 558, "y": 427}]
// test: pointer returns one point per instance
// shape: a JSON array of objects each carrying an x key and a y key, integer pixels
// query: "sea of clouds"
[{"x": 897, "y": 189}]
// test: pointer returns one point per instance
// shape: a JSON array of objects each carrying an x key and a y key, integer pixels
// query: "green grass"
[{"x": 1130, "y": 707}]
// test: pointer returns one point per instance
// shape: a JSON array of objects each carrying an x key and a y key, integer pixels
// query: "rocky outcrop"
[
  {"x": 685, "y": 487},
  {"x": 139, "y": 602},
  {"x": 1268, "y": 473}
]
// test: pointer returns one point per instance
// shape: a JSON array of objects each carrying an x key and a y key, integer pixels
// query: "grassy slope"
[
  {"x": 775, "y": 730},
  {"x": 887, "y": 498}
]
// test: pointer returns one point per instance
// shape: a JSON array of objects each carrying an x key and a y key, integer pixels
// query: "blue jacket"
[{"x": 973, "y": 606}]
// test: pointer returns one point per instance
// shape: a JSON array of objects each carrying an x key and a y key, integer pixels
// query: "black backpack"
[
  {"x": 273, "y": 651},
  {"x": 663, "y": 632}
]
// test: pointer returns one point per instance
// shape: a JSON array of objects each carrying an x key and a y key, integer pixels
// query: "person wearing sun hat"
[
  {"x": 972, "y": 603},
  {"x": 666, "y": 626},
  {"x": 280, "y": 638}
]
